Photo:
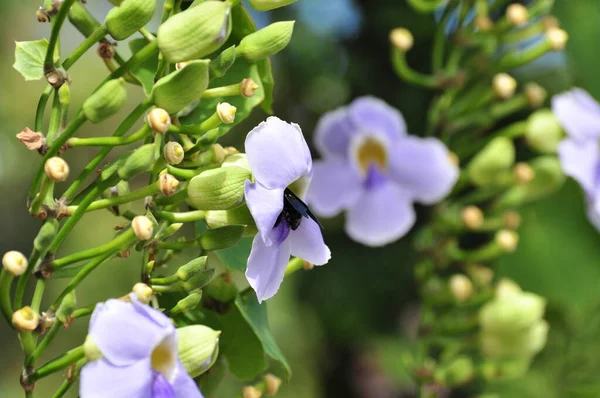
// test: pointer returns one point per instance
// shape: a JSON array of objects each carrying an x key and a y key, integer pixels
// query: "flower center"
[
  {"x": 164, "y": 357},
  {"x": 371, "y": 152}
]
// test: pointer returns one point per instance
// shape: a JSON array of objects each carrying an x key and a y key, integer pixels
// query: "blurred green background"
[{"x": 341, "y": 326}]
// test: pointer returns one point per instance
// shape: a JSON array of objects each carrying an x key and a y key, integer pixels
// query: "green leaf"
[
  {"x": 146, "y": 71},
  {"x": 255, "y": 314},
  {"x": 29, "y": 58},
  {"x": 236, "y": 256}
]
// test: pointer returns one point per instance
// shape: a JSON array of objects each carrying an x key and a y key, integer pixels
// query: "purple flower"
[
  {"x": 372, "y": 169},
  {"x": 281, "y": 164},
  {"x": 579, "y": 114},
  {"x": 139, "y": 355}
]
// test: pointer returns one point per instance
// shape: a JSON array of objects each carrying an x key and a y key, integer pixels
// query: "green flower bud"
[
  {"x": 188, "y": 303},
  {"x": 266, "y": 42},
  {"x": 525, "y": 344},
  {"x": 218, "y": 189},
  {"x": 167, "y": 231},
  {"x": 83, "y": 21},
  {"x": 46, "y": 235},
  {"x": 179, "y": 89},
  {"x": 492, "y": 162},
  {"x": 239, "y": 215},
  {"x": 198, "y": 348},
  {"x": 66, "y": 308},
  {"x": 220, "y": 65},
  {"x": 192, "y": 268},
  {"x": 221, "y": 238},
  {"x": 64, "y": 94},
  {"x": 543, "y": 131},
  {"x": 195, "y": 32},
  {"x": 128, "y": 17},
  {"x": 199, "y": 280},
  {"x": 267, "y": 5},
  {"x": 460, "y": 371},
  {"x": 512, "y": 315},
  {"x": 106, "y": 101},
  {"x": 222, "y": 289},
  {"x": 138, "y": 162},
  {"x": 91, "y": 350}
]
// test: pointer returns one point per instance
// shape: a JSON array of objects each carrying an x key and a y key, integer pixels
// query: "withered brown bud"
[
  {"x": 32, "y": 140},
  {"x": 106, "y": 50}
]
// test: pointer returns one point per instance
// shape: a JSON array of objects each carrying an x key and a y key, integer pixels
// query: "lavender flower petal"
[
  {"x": 373, "y": 115},
  {"x": 334, "y": 133},
  {"x": 423, "y": 167},
  {"x": 265, "y": 206},
  {"x": 184, "y": 386},
  {"x": 123, "y": 349},
  {"x": 335, "y": 186},
  {"x": 277, "y": 153},
  {"x": 157, "y": 317},
  {"x": 161, "y": 387},
  {"x": 307, "y": 243},
  {"x": 580, "y": 161},
  {"x": 266, "y": 267},
  {"x": 101, "y": 379},
  {"x": 381, "y": 215},
  {"x": 578, "y": 113}
]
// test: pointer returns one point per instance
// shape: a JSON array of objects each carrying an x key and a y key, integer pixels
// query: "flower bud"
[
  {"x": 31, "y": 139},
  {"x": 507, "y": 240},
  {"x": 214, "y": 155},
  {"x": 239, "y": 215},
  {"x": 64, "y": 94},
  {"x": 231, "y": 150},
  {"x": 46, "y": 235},
  {"x": 557, "y": 38},
  {"x": 220, "y": 65},
  {"x": 142, "y": 227},
  {"x": 14, "y": 262},
  {"x": 83, "y": 21},
  {"x": 173, "y": 152},
  {"x": 106, "y": 101},
  {"x": 550, "y": 22},
  {"x": 511, "y": 219},
  {"x": 523, "y": 173},
  {"x": 249, "y": 87},
  {"x": 483, "y": 23},
  {"x": 265, "y": 42},
  {"x": 66, "y": 308},
  {"x": 168, "y": 184},
  {"x": 472, "y": 217},
  {"x": 222, "y": 289},
  {"x": 91, "y": 350},
  {"x": 128, "y": 17},
  {"x": 56, "y": 169},
  {"x": 513, "y": 313},
  {"x": 226, "y": 112},
  {"x": 461, "y": 287},
  {"x": 195, "y": 32},
  {"x": 198, "y": 348},
  {"x": 236, "y": 160},
  {"x": 179, "y": 89},
  {"x": 481, "y": 275},
  {"x": 543, "y": 131},
  {"x": 143, "y": 292},
  {"x": 504, "y": 85},
  {"x": 139, "y": 161},
  {"x": 460, "y": 371},
  {"x": 549, "y": 178},
  {"x": 159, "y": 120},
  {"x": 536, "y": 94},
  {"x": 251, "y": 392},
  {"x": 402, "y": 39},
  {"x": 168, "y": 230},
  {"x": 191, "y": 268},
  {"x": 218, "y": 189},
  {"x": 198, "y": 281},
  {"x": 272, "y": 384},
  {"x": 517, "y": 14},
  {"x": 188, "y": 303},
  {"x": 221, "y": 238},
  {"x": 488, "y": 165},
  {"x": 25, "y": 319},
  {"x": 267, "y": 5}
]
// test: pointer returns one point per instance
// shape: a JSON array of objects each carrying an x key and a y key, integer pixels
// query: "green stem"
[
  {"x": 406, "y": 73},
  {"x": 41, "y": 107},
  {"x": 27, "y": 343},
  {"x": 57, "y": 22},
  {"x": 294, "y": 265},
  {"x": 130, "y": 197},
  {"x": 22, "y": 282},
  {"x": 70, "y": 380},
  {"x": 168, "y": 280},
  {"x": 85, "y": 311},
  {"x": 186, "y": 174},
  {"x": 147, "y": 34},
  {"x": 189, "y": 216},
  {"x": 110, "y": 141},
  {"x": 224, "y": 91},
  {"x": 209, "y": 124},
  {"x": 121, "y": 130},
  {"x": 6, "y": 279},
  {"x": 92, "y": 39},
  {"x": 424, "y": 6},
  {"x": 179, "y": 197},
  {"x": 38, "y": 293},
  {"x": 57, "y": 364},
  {"x": 39, "y": 350},
  {"x": 520, "y": 58},
  {"x": 37, "y": 202},
  {"x": 55, "y": 119}
]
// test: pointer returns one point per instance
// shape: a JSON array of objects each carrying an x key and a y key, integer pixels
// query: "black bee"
[{"x": 294, "y": 209}]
